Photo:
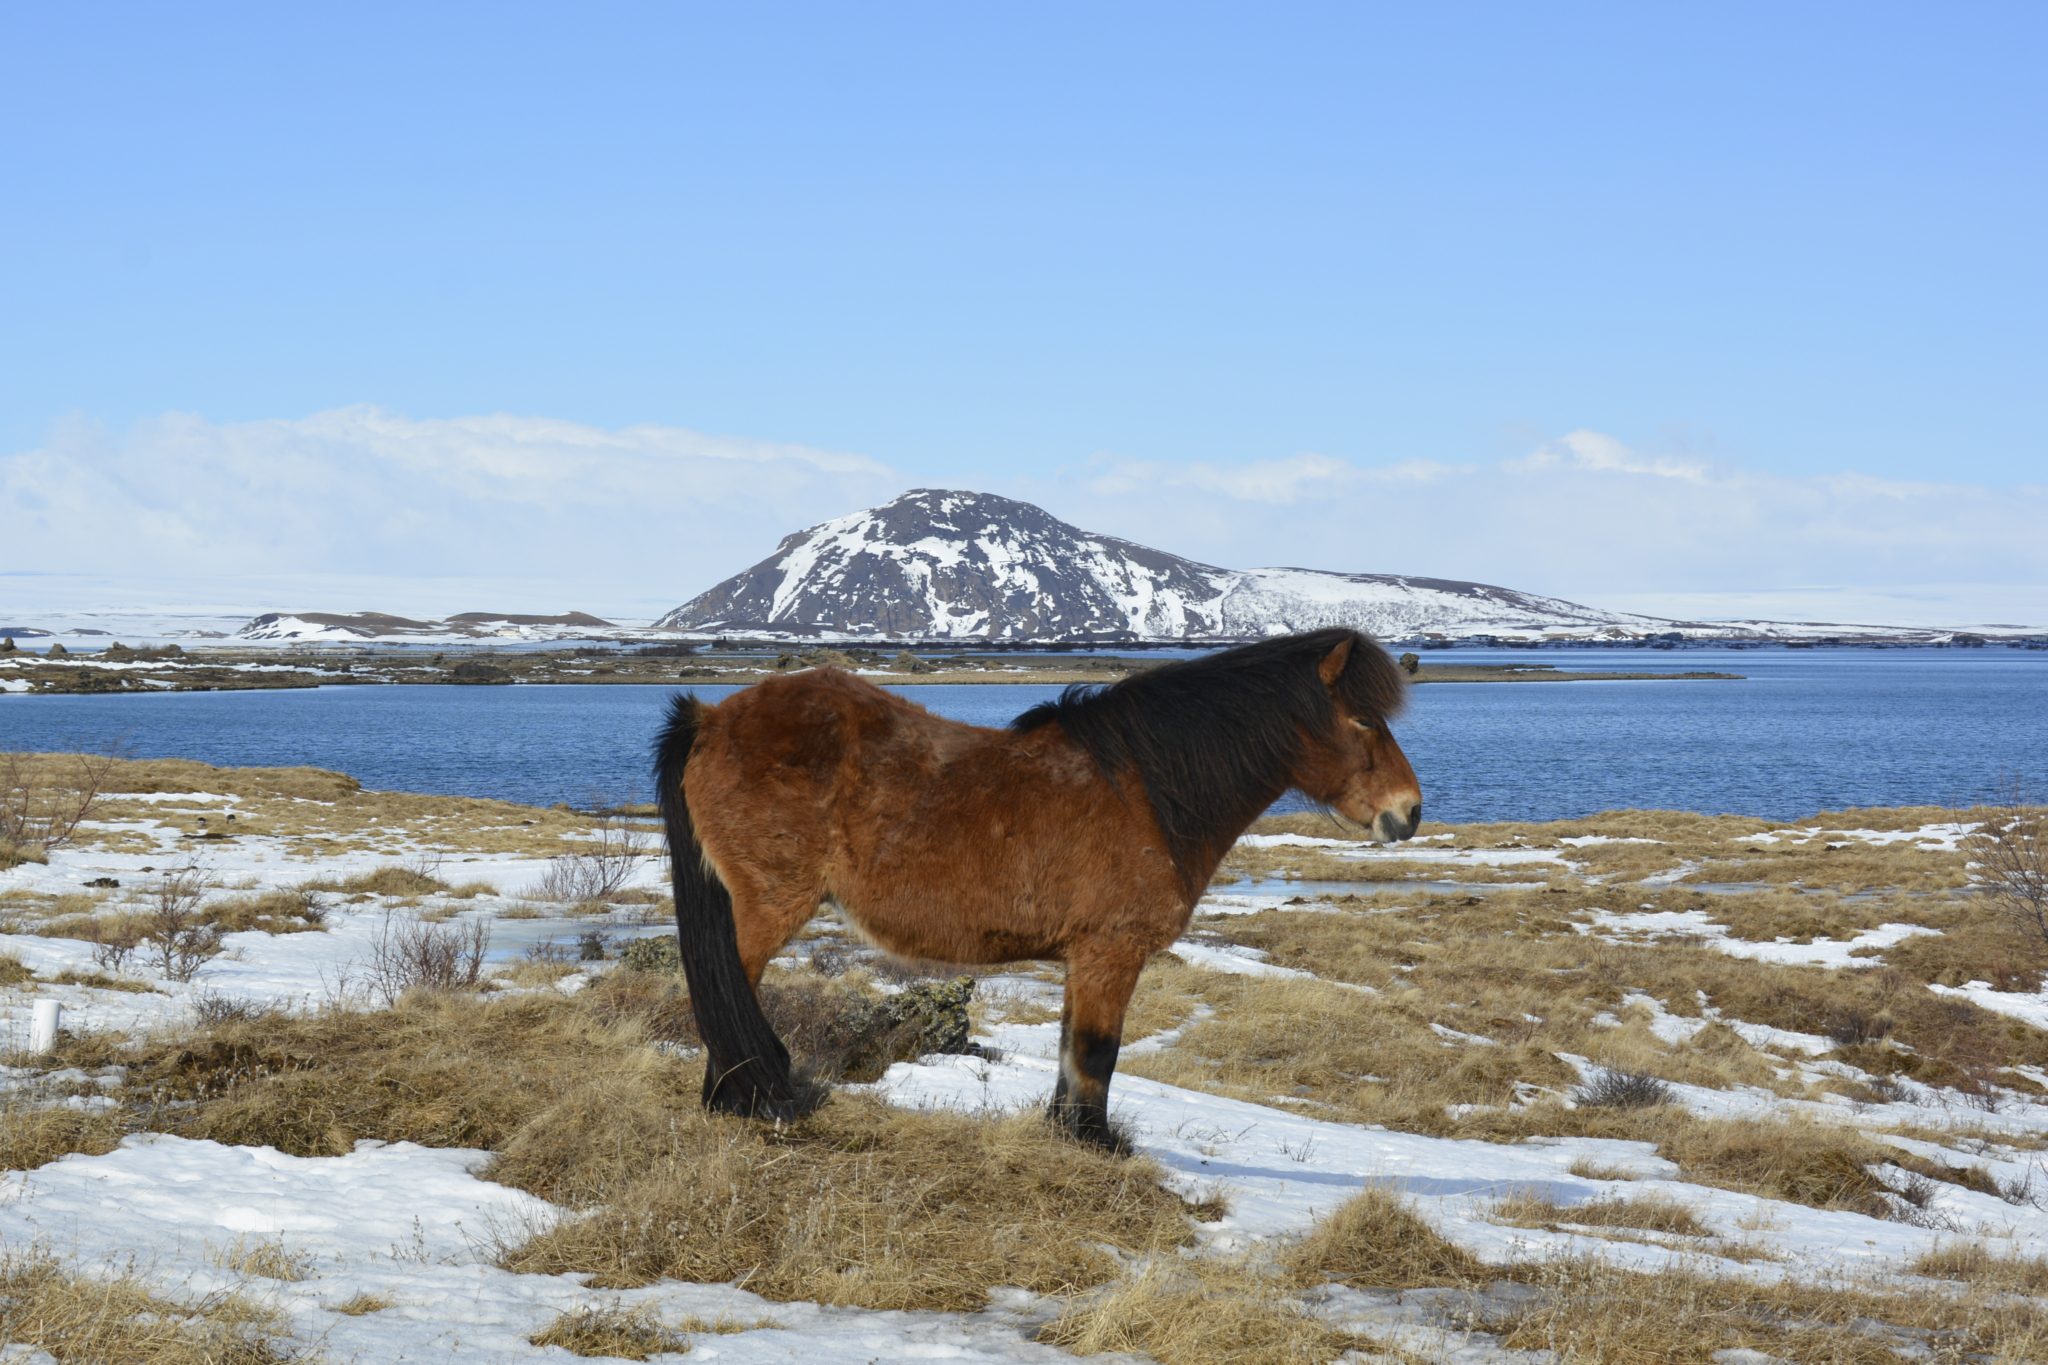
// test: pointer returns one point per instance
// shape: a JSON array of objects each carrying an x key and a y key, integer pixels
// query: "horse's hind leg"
[
  {"x": 766, "y": 920},
  {"x": 1099, "y": 986}
]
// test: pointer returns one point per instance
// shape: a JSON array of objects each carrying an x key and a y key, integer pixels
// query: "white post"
[{"x": 42, "y": 1028}]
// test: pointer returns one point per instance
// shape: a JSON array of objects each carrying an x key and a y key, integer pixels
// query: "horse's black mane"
[{"x": 1213, "y": 739}]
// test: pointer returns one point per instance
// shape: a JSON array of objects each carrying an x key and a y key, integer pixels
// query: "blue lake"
[{"x": 1805, "y": 730}]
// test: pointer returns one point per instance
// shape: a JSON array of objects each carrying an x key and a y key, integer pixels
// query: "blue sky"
[{"x": 1348, "y": 285}]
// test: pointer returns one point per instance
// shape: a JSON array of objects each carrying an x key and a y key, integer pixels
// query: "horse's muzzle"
[{"x": 1392, "y": 827}]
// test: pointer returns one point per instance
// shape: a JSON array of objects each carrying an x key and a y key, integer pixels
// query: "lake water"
[{"x": 1806, "y": 730}]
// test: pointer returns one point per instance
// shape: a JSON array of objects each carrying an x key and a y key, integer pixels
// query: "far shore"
[{"x": 26, "y": 673}]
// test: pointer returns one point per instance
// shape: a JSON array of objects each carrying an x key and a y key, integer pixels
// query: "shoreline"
[{"x": 169, "y": 670}]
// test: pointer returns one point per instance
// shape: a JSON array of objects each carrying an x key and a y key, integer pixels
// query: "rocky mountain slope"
[{"x": 942, "y": 564}]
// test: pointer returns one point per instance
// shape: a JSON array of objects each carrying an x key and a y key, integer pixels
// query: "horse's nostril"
[{"x": 1415, "y": 817}]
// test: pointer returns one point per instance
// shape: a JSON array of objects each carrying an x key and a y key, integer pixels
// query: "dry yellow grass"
[
  {"x": 858, "y": 1204},
  {"x": 263, "y": 1258},
  {"x": 360, "y": 1305},
  {"x": 1643, "y": 1213},
  {"x": 1489, "y": 967},
  {"x": 101, "y": 981},
  {"x": 612, "y": 1332},
  {"x": 1587, "y": 1313},
  {"x": 1972, "y": 1264},
  {"x": 1202, "y": 1312},
  {"x": 281, "y": 910},
  {"x": 1376, "y": 1240},
  {"x": 1296, "y": 863},
  {"x": 317, "y": 812},
  {"x": 33, "y": 1135},
  {"x": 45, "y": 1307},
  {"x": 1640, "y": 843}
]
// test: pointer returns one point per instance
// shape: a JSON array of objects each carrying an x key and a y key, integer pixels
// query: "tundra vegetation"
[{"x": 1746, "y": 1039}]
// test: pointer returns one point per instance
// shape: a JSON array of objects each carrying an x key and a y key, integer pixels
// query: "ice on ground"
[
  {"x": 1406, "y": 852},
  {"x": 2030, "y": 1006},
  {"x": 1624, "y": 926},
  {"x": 1234, "y": 958},
  {"x": 1677, "y": 1028},
  {"x": 1941, "y": 837}
]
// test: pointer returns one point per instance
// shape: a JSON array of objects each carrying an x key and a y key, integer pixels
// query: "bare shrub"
[
  {"x": 600, "y": 869},
  {"x": 45, "y": 798},
  {"x": 409, "y": 954},
  {"x": 113, "y": 945},
  {"x": 1914, "y": 1196},
  {"x": 548, "y": 952},
  {"x": 2011, "y": 851},
  {"x": 177, "y": 938},
  {"x": 1614, "y": 1089},
  {"x": 212, "y": 1009}
]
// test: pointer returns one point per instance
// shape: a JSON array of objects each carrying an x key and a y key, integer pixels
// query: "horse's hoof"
[{"x": 1091, "y": 1130}]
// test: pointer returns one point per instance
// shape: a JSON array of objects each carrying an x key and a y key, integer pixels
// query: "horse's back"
[{"x": 941, "y": 839}]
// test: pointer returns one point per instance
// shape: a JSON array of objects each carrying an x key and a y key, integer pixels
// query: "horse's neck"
[{"x": 1217, "y": 843}]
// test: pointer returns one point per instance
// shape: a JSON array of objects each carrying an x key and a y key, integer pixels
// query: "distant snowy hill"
[
  {"x": 940, "y": 564},
  {"x": 314, "y": 626}
]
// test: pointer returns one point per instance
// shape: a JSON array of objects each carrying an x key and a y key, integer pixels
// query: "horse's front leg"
[{"x": 1099, "y": 985}]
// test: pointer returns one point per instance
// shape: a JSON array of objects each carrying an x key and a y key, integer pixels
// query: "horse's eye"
[{"x": 1364, "y": 725}]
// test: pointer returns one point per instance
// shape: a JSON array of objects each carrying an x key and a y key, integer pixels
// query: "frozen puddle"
[{"x": 1624, "y": 927}]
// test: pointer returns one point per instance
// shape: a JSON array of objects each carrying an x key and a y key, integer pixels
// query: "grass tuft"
[
  {"x": 1376, "y": 1240},
  {"x": 1200, "y": 1312},
  {"x": 858, "y": 1204},
  {"x": 44, "y": 1307},
  {"x": 612, "y": 1332}
]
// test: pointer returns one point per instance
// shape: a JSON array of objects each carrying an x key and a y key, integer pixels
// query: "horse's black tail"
[{"x": 746, "y": 1065}]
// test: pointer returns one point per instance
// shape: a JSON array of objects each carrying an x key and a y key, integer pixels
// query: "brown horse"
[{"x": 1085, "y": 832}]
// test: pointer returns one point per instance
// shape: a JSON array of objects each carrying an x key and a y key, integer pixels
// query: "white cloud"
[
  {"x": 1589, "y": 517},
  {"x": 1590, "y": 450},
  {"x": 363, "y": 491},
  {"x": 1275, "y": 482},
  {"x": 630, "y": 521}
]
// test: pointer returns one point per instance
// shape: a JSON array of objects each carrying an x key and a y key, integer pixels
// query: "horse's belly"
[{"x": 963, "y": 926}]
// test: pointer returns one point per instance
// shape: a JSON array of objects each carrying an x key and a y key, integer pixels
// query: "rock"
[
  {"x": 930, "y": 1017},
  {"x": 656, "y": 954}
]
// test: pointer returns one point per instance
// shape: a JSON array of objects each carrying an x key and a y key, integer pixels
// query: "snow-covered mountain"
[
  {"x": 941, "y": 564},
  {"x": 361, "y": 626}
]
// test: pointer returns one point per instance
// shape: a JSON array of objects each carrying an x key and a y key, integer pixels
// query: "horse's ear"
[{"x": 1332, "y": 666}]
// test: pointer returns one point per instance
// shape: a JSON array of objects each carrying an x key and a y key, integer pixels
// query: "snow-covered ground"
[{"x": 417, "y": 1228}]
